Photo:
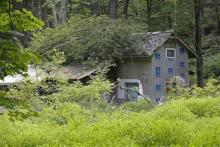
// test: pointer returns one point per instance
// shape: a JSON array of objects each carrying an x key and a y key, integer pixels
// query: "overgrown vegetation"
[
  {"x": 14, "y": 23},
  {"x": 53, "y": 112},
  {"x": 90, "y": 39},
  {"x": 76, "y": 115}
]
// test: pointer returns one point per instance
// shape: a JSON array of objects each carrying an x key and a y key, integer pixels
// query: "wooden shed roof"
[{"x": 74, "y": 71}]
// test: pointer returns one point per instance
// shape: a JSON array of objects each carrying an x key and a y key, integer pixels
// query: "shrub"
[
  {"x": 181, "y": 91},
  {"x": 75, "y": 117}
]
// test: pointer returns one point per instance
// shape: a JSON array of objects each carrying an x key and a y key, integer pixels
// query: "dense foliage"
[
  {"x": 77, "y": 116},
  {"x": 13, "y": 23},
  {"x": 88, "y": 39},
  {"x": 53, "y": 112}
]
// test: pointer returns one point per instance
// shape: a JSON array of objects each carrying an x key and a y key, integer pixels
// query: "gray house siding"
[
  {"x": 164, "y": 64},
  {"x": 137, "y": 68},
  {"x": 144, "y": 69}
]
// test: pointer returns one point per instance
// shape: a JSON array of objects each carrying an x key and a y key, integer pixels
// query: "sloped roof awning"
[{"x": 74, "y": 72}]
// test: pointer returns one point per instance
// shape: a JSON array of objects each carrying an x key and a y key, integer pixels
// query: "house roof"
[
  {"x": 153, "y": 40},
  {"x": 74, "y": 71}
]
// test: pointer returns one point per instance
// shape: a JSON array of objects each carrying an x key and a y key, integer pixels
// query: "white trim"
[
  {"x": 121, "y": 92},
  {"x": 174, "y": 49}
]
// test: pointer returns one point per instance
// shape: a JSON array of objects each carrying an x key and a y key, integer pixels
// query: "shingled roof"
[
  {"x": 75, "y": 71},
  {"x": 153, "y": 40}
]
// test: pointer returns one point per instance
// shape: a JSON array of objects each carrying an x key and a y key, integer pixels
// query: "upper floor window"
[
  {"x": 182, "y": 51},
  {"x": 182, "y": 64},
  {"x": 157, "y": 70},
  {"x": 158, "y": 87},
  {"x": 157, "y": 56},
  {"x": 170, "y": 71},
  {"x": 170, "y": 53}
]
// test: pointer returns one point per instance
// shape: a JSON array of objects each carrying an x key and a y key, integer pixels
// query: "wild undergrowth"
[{"x": 76, "y": 115}]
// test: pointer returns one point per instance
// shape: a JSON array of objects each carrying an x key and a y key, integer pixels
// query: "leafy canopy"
[
  {"x": 88, "y": 39},
  {"x": 13, "y": 58}
]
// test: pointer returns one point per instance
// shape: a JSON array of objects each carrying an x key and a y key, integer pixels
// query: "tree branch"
[{"x": 146, "y": 98}]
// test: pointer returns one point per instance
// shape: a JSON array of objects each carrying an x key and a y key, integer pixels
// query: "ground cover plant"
[{"x": 77, "y": 116}]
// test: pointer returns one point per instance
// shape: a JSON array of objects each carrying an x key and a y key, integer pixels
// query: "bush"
[
  {"x": 181, "y": 91},
  {"x": 141, "y": 105},
  {"x": 192, "y": 122},
  {"x": 77, "y": 116}
]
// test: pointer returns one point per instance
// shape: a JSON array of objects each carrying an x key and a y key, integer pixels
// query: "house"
[
  {"x": 164, "y": 56},
  {"x": 147, "y": 73}
]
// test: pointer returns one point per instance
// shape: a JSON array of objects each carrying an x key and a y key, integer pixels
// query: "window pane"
[
  {"x": 170, "y": 53},
  {"x": 158, "y": 87},
  {"x": 181, "y": 50},
  {"x": 170, "y": 70},
  {"x": 131, "y": 94},
  {"x": 182, "y": 64},
  {"x": 157, "y": 71},
  {"x": 157, "y": 56}
]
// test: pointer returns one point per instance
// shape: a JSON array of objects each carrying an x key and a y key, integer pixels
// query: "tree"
[
  {"x": 113, "y": 9},
  {"x": 13, "y": 57},
  {"x": 125, "y": 11},
  {"x": 198, "y": 38},
  {"x": 63, "y": 11},
  {"x": 149, "y": 7},
  {"x": 87, "y": 39}
]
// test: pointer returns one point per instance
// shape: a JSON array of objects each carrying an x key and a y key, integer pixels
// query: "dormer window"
[{"x": 170, "y": 53}]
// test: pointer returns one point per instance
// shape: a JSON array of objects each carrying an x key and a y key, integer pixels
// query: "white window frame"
[
  {"x": 173, "y": 49},
  {"x": 121, "y": 93}
]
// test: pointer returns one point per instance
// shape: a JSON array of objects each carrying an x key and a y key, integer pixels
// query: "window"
[
  {"x": 157, "y": 56},
  {"x": 170, "y": 53},
  {"x": 132, "y": 91},
  {"x": 158, "y": 87},
  {"x": 182, "y": 51},
  {"x": 182, "y": 64},
  {"x": 127, "y": 87},
  {"x": 170, "y": 71},
  {"x": 158, "y": 100},
  {"x": 183, "y": 75},
  {"x": 157, "y": 71}
]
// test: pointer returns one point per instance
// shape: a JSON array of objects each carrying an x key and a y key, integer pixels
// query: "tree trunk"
[
  {"x": 54, "y": 13},
  {"x": 63, "y": 11},
  {"x": 198, "y": 37},
  {"x": 170, "y": 21},
  {"x": 45, "y": 12},
  {"x": 113, "y": 9},
  {"x": 149, "y": 7},
  {"x": 203, "y": 17},
  {"x": 39, "y": 11},
  {"x": 125, "y": 11},
  {"x": 163, "y": 16},
  {"x": 217, "y": 25}
]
